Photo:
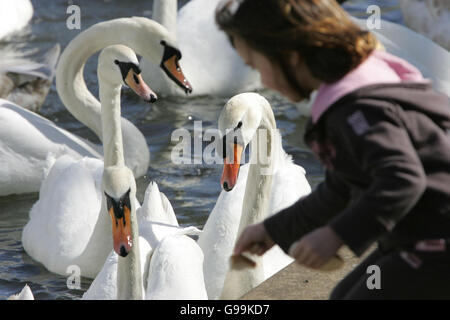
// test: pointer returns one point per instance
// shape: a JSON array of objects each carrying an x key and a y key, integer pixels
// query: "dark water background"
[{"x": 192, "y": 189}]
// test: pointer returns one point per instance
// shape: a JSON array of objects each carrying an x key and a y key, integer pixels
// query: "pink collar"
[{"x": 379, "y": 67}]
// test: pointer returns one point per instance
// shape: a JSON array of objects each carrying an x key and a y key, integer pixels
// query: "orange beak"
[
  {"x": 173, "y": 70},
  {"x": 231, "y": 168},
  {"x": 137, "y": 84},
  {"x": 121, "y": 228}
]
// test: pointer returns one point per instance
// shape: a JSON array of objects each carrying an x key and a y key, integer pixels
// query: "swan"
[
  {"x": 174, "y": 252},
  {"x": 67, "y": 211},
  {"x": 429, "y": 17},
  {"x": 251, "y": 196},
  {"x": 25, "y": 294},
  {"x": 26, "y": 82},
  {"x": 209, "y": 61},
  {"x": 14, "y": 16},
  {"x": 27, "y": 139}
]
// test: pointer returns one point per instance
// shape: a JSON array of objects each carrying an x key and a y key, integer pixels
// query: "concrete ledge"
[{"x": 299, "y": 283}]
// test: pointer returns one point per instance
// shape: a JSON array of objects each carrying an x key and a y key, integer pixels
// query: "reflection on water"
[{"x": 192, "y": 189}]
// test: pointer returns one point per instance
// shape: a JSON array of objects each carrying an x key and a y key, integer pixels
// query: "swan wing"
[
  {"x": 25, "y": 294},
  {"x": 176, "y": 270},
  {"x": 61, "y": 224}
]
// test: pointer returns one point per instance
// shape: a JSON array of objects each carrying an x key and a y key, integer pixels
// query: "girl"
[{"x": 381, "y": 133}]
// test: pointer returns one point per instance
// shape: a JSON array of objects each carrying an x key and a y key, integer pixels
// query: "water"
[{"x": 192, "y": 189}]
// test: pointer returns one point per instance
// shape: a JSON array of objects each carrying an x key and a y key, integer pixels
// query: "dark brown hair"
[{"x": 319, "y": 30}]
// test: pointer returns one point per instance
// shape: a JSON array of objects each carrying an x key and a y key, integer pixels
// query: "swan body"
[
  {"x": 209, "y": 62},
  {"x": 428, "y": 17},
  {"x": 25, "y": 294},
  {"x": 14, "y": 16},
  {"x": 238, "y": 208}
]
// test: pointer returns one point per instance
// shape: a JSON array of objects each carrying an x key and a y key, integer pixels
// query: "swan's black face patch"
[
  {"x": 170, "y": 65},
  {"x": 125, "y": 68},
  {"x": 170, "y": 51},
  {"x": 234, "y": 136},
  {"x": 118, "y": 206}
]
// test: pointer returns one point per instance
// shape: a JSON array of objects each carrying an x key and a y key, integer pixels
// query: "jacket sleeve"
[
  {"x": 308, "y": 213},
  {"x": 378, "y": 141}
]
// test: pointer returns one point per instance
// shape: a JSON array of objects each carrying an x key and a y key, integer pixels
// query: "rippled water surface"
[{"x": 192, "y": 189}]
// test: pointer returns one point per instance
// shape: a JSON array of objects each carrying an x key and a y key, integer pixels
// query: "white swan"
[
  {"x": 14, "y": 15},
  {"x": 253, "y": 197},
  {"x": 68, "y": 208},
  {"x": 25, "y": 294},
  {"x": 429, "y": 17},
  {"x": 166, "y": 269},
  {"x": 209, "y": 61},
  {"x": 27, "y": 139}
]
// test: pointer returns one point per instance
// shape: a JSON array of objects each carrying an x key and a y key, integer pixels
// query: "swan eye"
[
  {"x": 239, "y": 125},
  {"x": 125, "y": 68}
]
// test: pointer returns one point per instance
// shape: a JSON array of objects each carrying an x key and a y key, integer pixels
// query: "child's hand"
[
  {"x": 254, "y": 239},
  {"x": 316, "y": 248}
]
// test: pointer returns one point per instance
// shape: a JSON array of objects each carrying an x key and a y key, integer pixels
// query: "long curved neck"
[
  {"x": 165, "y": 12},
  {"x": 256, "y": 203},
  {"x": 129, "y": 276},
  {"x": 70, "y": 83},
  {"x": 111, "y": 124}
]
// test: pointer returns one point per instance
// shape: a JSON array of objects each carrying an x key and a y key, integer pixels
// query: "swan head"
[
  {"x": 120, "y": 191},
  {"x": 239, "y": 121},
  {"x": 118, "y": 65},
  {"x": 160, "y": 48}
]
